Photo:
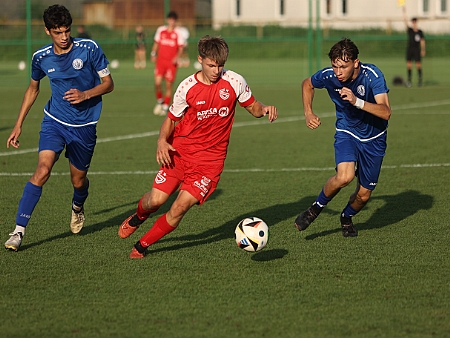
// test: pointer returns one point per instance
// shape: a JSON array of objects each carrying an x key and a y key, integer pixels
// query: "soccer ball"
[
  {"x": 251, "y": 234},
  {"x": 115, "y": 64},
  {"x": 22, "y": 65}
]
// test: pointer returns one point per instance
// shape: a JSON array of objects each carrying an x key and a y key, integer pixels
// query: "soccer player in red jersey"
[
  {"x": 193, "y": 142},
  {"x": 168, "y": 46}
]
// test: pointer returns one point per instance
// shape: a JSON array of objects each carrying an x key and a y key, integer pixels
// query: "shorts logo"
[
  {"x": 224, "y": 94},
  {"x": 361, "y": 90},
  {"x": 203, "y": 185},
  {"x": 77, "y": 64},
  {"x": 160, "y": 177}
]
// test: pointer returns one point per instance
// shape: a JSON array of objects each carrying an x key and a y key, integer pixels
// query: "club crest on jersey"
[
  {"x": 361, "y": 90},
  {"x": 77, "y": 64},
  {"x": 224, "y": 94}
]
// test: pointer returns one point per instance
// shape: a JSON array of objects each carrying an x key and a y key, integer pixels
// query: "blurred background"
[{"x": 255, "y": 29}]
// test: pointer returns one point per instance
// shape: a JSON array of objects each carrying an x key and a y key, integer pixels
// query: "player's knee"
[{"x": 344, "y": 179}]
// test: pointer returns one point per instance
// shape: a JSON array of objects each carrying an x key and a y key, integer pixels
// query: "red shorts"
[
  {"x": 200, "y": 180},
  {"x": 166, "y": 69}
]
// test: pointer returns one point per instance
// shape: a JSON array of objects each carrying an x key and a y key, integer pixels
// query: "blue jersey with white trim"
[
  {"x": 356, "y": 122},
  {"x": 77, "y": 69}
]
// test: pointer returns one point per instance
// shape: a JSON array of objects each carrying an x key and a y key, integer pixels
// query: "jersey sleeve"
[
  {"x": 157, "y": 37},
  {"x": 99, "y": 60},
  {"x": 241, "y": 88},
  {"x": 379, "y": 85},
  {"x": 317, "y": 79}
]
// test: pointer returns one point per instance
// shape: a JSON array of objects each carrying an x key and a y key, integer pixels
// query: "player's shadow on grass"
[
  {"x": 272, "y": 215},
  {"x": 396, "y": 208}
]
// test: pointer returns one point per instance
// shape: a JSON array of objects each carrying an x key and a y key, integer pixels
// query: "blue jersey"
[
  {"x": 356, "y": 122},
  {"x": 77, "y": 69}
]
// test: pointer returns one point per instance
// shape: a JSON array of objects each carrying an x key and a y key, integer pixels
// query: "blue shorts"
[
  {"x": 78, "y": 141},
  {"x": 367, "y": 155}
]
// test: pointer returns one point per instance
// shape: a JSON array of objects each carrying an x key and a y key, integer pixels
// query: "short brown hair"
[{"x": 214, "y": 48}]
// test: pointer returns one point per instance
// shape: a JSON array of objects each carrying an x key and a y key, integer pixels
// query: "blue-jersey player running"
[
  {"x": 79, "y": 76},
  {"x": 360, "y": 94}
]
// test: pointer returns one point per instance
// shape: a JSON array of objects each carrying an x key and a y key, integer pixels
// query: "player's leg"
[
  {"x": 166, "y": 182},
  {"x": 169, "y": 80},
  {"x": 345, "y": 158},
  {"x": 409, "y": 57},
  {"x": 369, "y": 168},
  {"x": 30, "y": 197},
  {"x": 80, "y": 147},
  {"x": 159, "y": 73},
  {"x": 147, "y": 205},
  {"x": 166, "y": 223},
  {"x": 419, "y": 72},
  {"x": 199, "y": 182}
]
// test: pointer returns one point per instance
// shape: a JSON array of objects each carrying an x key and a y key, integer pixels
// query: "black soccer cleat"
[
  {"x": 305, "y": 219},
  {"x": 348, "y": 229}
]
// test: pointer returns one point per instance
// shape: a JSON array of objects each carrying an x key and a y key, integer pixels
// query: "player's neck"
[{"x": 57, "y": 50}]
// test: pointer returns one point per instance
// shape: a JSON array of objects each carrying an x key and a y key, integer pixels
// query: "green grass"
[{"x": 390, "y": 281}]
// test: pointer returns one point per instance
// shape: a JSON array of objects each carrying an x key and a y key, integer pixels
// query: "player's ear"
[
  {"x": 47, "y": 31},
  {"x": 356, "y": 63}
]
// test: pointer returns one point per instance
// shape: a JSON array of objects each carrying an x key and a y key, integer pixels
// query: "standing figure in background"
[
  {"x": 78, "y": 73},
  {"x": 82, "y": 34},
  {"x": 167, "y": 49},
  {"x": 415, "y": 50},
  {"x": 140, "y": 52}
]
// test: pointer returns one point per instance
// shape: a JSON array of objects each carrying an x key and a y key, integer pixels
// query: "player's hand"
[
  {"x": 75, "y": 96},
  {"x": 347, "y": 95},
  {"x": 272, "y": 112},
  {"x": 312, "y": 121},
  {"x": 13, "y": 139},
  {"x": 163, "y": 152}
]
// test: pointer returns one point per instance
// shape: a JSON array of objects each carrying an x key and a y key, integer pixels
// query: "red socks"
[
  {"x": 142, "y": 213},
  {"x": 158, "y": 231}
]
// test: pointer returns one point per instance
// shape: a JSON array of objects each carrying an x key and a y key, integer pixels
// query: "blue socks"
[
  {"x": 80, "y": 195},
  {"x": 30, "y": 197}
]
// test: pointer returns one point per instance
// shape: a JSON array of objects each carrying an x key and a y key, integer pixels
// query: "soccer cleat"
[
  {"x": 348, "y": 229},
  {"x": 136, "y": 254},
  {"x": 305, "y": 219},
  {"x": 14, "y": 242},
  {"x": 77, "y": 220},
  {"x": 138, "y": 251},
  {"x": 158, "y": 110},
  {"x": 129, "y": 226}
]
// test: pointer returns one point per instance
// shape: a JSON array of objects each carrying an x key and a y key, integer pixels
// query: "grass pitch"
[{"x": 390, "y": 281}]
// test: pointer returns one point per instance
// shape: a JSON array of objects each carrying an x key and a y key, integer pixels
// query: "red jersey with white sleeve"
[
  {"x": 206, "y": 115},
  {"x": 169, "y": 42}
]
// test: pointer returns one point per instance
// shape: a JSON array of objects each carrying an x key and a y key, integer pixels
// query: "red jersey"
[
  {"x": 169, "y": 43},
  {"x": 206, "y": 115}
]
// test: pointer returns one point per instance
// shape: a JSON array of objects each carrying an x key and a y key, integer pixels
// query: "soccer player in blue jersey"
[
  {"x": 79, "y": 76},
  {"x": 360, "y": 95}
]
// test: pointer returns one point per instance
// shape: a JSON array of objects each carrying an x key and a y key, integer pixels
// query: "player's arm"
[
  {"x": 154, "y": 51},
  {"x": 311, "y": 119},
  {"x": 257, "y": 109},
  {"x": 422, "y": 47},
  {"x": 75, "y": 96},
  {"x": 164, "y": 147},
  {"x": 405, "y": 18},
  {"x": 29, "y": 97},
  {"x": 381, "y": 108}
]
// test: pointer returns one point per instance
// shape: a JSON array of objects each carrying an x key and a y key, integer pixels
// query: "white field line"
[
  {"x": 252, "y": 170},
  {"x": 236, "y": 125}
]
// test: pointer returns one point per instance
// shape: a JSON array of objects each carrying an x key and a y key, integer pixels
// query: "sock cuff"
[
  {"x": 35, "y": 190},
  {"x": 163, "y": 225}
]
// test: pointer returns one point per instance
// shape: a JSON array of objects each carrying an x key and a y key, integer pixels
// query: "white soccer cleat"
[
  {"x": 158, "y": 110},
  {"x": 77, "y": 222},
  {"x": 14, "y": 242}
]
